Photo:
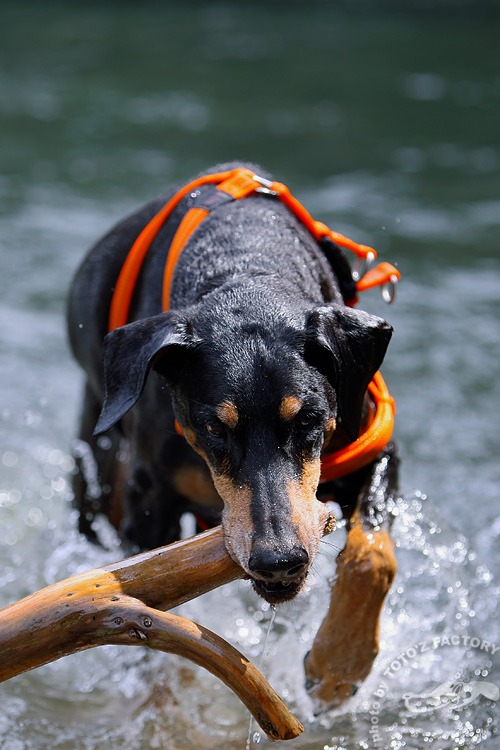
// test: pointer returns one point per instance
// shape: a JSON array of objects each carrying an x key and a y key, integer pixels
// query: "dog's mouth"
[{"x": 276, "y": 592}]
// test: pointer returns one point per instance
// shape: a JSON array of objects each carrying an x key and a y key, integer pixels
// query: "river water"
[{"x": 386, "y": 124}]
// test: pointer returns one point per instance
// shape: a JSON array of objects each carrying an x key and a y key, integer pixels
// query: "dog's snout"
[{"x": 278, "y": 564}]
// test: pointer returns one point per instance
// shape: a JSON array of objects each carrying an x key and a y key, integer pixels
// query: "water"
[
  {"x": 386, "y": 125},
  {"x": 255, "y": 737}
]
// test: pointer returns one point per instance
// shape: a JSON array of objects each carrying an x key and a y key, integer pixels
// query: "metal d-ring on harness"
[
  {"x": 234, "y": 185},
  {"x": 388, "y": 288}
]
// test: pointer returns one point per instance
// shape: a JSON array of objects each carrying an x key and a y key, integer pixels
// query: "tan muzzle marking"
[
  {"x": 236, "y": 518},
  {"x": 309, "y": 516}
]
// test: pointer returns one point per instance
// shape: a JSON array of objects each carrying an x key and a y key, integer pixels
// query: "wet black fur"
[{"x": 256, "y": 314}]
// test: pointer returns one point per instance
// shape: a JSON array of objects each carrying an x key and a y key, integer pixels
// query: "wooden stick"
[
  {"x": 120, "y": 604},
  {"x": 167, "y": 632}
]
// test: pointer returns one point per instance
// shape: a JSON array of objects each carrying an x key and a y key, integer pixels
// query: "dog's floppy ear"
[
  {"x": 348, "y": 346},
  {"x": 129, "y": 354}
]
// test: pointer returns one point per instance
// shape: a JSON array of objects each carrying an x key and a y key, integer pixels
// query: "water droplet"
[{"x": 9, "y": 458}]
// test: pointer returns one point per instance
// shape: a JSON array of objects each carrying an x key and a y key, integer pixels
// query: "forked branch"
[{"x": 122, "y": 603}]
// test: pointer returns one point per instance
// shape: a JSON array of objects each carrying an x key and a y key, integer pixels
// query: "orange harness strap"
[
  {"x": 237, "y": 184},
  {"x": 240, "y": 185},
  {"x": 364, "y": 450}
]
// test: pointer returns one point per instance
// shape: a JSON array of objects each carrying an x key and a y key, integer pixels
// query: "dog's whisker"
[{"x": 330, "y": 544}]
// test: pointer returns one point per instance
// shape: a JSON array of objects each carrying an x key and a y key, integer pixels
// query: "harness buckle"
[{"x": 266, "y": 186}]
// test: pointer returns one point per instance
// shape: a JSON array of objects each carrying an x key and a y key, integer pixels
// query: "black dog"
[{"x": 262, "y": 365}]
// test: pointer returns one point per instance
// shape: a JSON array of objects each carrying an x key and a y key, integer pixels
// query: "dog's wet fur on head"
[{"x": 264, "y": 365}]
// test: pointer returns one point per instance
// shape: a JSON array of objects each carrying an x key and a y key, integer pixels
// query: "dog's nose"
[{"x": 276, "y": 564}]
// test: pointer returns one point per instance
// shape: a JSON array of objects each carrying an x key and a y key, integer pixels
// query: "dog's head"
[{"x": 257, "y": 393}]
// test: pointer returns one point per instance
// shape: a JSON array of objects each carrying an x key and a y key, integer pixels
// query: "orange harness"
[{"x": 236, "y": 184}]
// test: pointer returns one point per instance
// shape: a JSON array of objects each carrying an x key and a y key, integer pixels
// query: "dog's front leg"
[
  {"x": 100, "y": 473},
  {"x": 347, "y": 641}
]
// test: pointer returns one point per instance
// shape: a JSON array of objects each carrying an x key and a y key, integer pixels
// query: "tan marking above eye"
[
  {"x": 228, "y": 414},
  {"x": 289, "y": 408}
]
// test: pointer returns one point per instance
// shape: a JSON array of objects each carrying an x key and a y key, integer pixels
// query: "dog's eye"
[
  {"x": 306, "y": 420},
  {"x": 215, "y": 429}
]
